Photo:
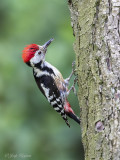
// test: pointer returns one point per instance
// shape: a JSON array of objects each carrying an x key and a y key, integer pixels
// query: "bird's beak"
[{"x": 47, "y": 43}]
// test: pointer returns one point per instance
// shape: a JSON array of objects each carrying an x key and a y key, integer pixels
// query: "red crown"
[{"x": 29, "y": 52}]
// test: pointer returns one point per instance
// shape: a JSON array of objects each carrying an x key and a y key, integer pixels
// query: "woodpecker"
[{"x": 49, "y": 80}]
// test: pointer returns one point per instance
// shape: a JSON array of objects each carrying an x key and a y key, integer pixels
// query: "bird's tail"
[
  {"x": 69, "y": 112},
  {"x": 74, "y": 117}
]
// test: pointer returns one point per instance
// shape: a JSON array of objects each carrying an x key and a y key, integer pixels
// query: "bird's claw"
[
  {"x": 73, "y": 64},
  {"x": 74, "y": 90},
  {"x": 73, "y": 87},
  {"x": 73, "y": 68}
]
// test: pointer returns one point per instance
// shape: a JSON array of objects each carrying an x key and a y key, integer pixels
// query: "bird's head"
[{"x": 33, "y": 53}]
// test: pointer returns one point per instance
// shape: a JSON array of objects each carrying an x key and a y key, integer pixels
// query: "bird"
[{"x": 49, "y": 80}]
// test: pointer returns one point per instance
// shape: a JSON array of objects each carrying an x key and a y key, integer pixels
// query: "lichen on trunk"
[{"x": 96, "y": 27}]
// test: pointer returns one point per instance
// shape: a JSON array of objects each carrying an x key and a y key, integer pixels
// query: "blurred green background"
[{"x": 29, "y": 127}]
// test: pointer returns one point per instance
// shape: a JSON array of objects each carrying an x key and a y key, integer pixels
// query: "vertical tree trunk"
[{"x": 96, "y": 27}]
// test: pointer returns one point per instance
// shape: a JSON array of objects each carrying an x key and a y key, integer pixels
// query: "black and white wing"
[{"x": 50, "y": 90}]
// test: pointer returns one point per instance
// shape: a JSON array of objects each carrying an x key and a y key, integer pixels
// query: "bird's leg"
[
  {"x": 73, "y": 87},
  {"x": 70, "y": 76}
]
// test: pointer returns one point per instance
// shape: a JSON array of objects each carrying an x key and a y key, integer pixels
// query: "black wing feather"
[{"x": 56, "y": 101}]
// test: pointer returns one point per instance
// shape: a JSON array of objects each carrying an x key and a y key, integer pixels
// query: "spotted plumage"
[
  {"x": 49, "y": 86},
  {"x": 49, "y": 80}
]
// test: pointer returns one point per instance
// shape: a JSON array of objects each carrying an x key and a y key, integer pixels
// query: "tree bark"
[{"x": 96, "y": 27}]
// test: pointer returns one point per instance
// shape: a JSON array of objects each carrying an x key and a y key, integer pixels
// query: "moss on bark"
[{"x": 97, "y": 37}]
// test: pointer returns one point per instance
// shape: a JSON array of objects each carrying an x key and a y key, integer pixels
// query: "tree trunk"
[{"x": 96, "y": 27}]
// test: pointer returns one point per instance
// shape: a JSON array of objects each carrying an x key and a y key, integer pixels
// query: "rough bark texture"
[{"x": 96, "y": 27}]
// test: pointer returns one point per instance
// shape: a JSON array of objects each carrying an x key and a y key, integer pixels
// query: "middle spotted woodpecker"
[{"x": 49, "y": 80}]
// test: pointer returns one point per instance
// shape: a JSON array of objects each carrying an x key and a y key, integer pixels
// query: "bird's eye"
[
  {"x": 31, "y": 48},
  {"x": 39, "y": 52}
]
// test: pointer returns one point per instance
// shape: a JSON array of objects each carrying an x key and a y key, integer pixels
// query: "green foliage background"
[{"x": 28, "y": 124}]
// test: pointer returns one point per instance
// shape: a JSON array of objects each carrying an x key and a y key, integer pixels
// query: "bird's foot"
[
  {"x": 73, "y": 87},
  {"x": 70, "y": 76}
]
